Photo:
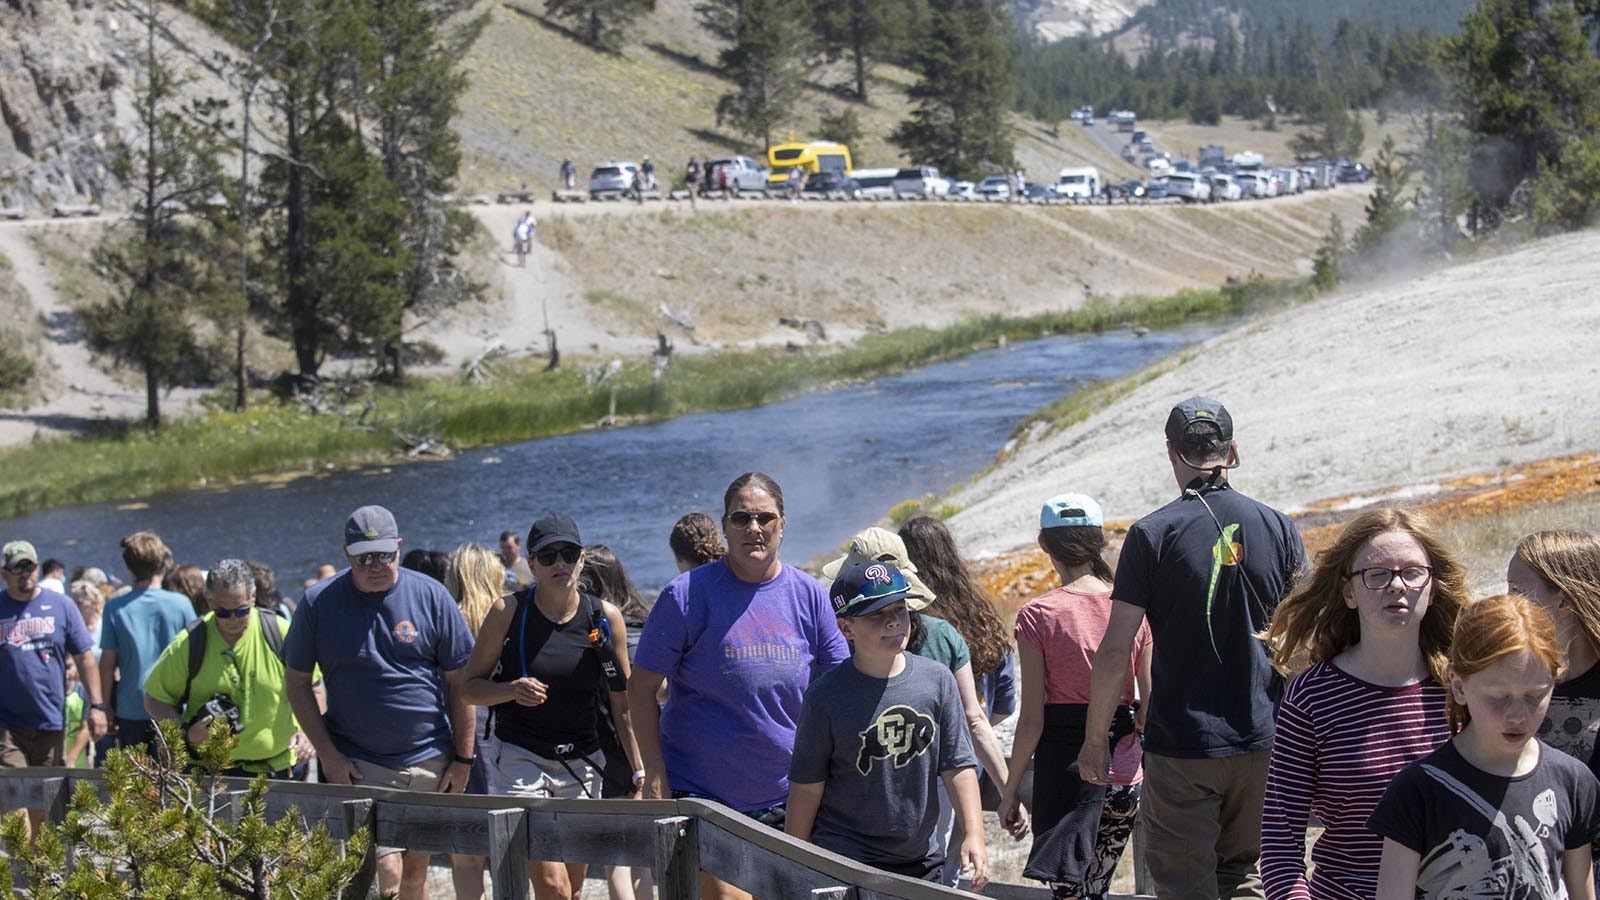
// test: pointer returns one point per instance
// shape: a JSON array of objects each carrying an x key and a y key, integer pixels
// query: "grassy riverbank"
[{"x": 375, "y": 425}]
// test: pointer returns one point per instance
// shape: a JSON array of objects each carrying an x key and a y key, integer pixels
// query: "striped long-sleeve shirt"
[{"x": 1339, "y": 742}]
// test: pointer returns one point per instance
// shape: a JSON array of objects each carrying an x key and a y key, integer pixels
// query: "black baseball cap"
[
  {"x": 1198, "y": 410},
  {"x": 552, "y": 528}
]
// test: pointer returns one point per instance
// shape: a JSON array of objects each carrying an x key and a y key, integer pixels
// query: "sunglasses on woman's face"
[
  {"x": 567, "y": 554},
  {"x": 742, "y": 519},
  {"x": 239, "y": 613}
]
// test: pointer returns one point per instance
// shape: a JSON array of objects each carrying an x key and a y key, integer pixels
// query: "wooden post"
[
  {"x": 56, "y": 813},
  {"x": 678, "y": 858},
  {"x": 360, "y": 814},
  {"x": 508, "y": 853}
]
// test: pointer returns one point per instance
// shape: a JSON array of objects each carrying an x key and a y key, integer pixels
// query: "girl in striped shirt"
[{"x": 1373, "y": 623}]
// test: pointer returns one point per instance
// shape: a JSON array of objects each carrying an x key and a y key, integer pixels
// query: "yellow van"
[{"x": 812, "y": 156}]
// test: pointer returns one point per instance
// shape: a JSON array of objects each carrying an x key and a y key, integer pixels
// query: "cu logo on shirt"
[
  {"x": 405, "y": 632},
  {"x": 900, "y": 733}
]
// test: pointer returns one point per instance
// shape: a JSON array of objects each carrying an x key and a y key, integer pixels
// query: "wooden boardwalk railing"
[{"x": 675, "y": 838}]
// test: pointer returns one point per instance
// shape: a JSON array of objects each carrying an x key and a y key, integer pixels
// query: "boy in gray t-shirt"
[{"x": 875, "y": 738}]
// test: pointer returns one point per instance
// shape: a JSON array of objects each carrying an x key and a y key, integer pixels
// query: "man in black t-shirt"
[{"x": 1207, "y": 570}]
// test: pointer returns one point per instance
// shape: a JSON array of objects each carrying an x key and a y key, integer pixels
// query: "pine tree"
[
  {"x": 1325, "y": 262},
  {"x": 415, "y": 86},
  {"x": 769, "y": 60},
  {"x": 159, "y": 263},
  {"x": 1387, "y": 208},
  {"x": 959, "y": 121},
  {"x": 1529, "y": 85},
  {"x": 864, "y": 30},
  {"x": 602, "y": 23}
]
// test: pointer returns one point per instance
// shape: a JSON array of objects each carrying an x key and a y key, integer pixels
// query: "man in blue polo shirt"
[
  {"x": 391, "y": 644},
  {"x": 1207, "y": 570},
  {"x": 39, "y": 629}
]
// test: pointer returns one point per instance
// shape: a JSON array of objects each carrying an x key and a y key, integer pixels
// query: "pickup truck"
[{"x": 744, "y": 175}]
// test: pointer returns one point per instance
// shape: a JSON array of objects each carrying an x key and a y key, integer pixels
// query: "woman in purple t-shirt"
[{"x": 740, "y": 639}]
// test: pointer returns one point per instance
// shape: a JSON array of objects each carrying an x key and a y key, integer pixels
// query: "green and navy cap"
[
  {"x": 19, "y": 551},
  {"x": 867, "y": 587}
]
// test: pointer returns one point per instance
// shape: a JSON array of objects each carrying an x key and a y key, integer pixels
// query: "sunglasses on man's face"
[
  {"x": 22, "y": 568},
  {"x": 239, "y": 613},
  {"x": 367, "y": 559},
  {"x": 568, "y": 555},
  {"x": 742, "y": 519}
]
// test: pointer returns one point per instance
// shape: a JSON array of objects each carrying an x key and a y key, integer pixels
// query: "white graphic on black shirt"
[{"x": 1463, "y": 866}]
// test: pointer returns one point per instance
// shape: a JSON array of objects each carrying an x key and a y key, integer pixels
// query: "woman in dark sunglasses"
[
  {"x": 739, "y": 639},
  {"x": 541, "y": 657},
  {"x": 1373, "y": 620}
]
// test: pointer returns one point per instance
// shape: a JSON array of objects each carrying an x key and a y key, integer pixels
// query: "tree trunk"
[
  {"x": 858, "y": 50},
  {"x": 152, "y": 396},
  {"x": 301, "y": 295}
]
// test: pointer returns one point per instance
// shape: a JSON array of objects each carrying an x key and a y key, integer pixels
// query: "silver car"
[{"x": 612, "y": 178}]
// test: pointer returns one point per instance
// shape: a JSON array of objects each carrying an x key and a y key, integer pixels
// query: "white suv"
[{"x": 921, "y": 181}]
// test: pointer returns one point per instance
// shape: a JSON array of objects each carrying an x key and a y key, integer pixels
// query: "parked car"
[
  {"x": 1191, "y": 186},
  {"x": 1225, "y": 186},
  {"x": 963, "y": 190},
  {"x": 1156, "y": 189},
  {"x": 1353, "y": 172},
  {"x": 612, "y": 178},
  {"x": 1257, "y": 184},
  {"x": 876, "y": 184},
  {"x": 921, "y": 181},
  {"x": 69, "y": 210},
  {"x": 14, "y": 213},
  {"x": 1078, "y": 182},
  {"x": 745, "y": 175},
  {"x": 833, "y": 186},
  {"x": 1129, "y": 190},
  {"x": 1034, "y": 192},
  {"x": 995, "y": 187}
]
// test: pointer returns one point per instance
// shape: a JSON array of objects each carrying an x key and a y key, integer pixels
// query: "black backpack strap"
[
  {"x": 605, "y": 647},
  {"x": 196, "y": 629},
  {"x": 272, "y": 630}
]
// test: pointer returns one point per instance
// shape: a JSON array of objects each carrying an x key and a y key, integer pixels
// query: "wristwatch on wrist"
[
  {"x": 103, "y": 707},
  {"x": 466, "y": 760}
]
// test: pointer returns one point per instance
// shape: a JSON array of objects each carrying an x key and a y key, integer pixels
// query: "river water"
[{"x": 843, "y": 458}]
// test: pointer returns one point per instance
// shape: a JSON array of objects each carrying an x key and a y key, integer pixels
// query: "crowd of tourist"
[{"x": 1216, "y": 683}]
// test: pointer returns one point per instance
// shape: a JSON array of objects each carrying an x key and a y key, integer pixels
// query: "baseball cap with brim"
[
  {"x": 19, "y": 551},
  {"x": 371, "y": 529},
  {"x": 881, "y": 545},
  {"x": 1069, "y": 510},
  {"x": 552, "y": 528},
  {"x": 865, "y": 588},
  {"x": 1194, "y": 411}
]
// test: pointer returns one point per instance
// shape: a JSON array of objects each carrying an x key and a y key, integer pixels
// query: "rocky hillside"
[
  {"x": 1053, "y": 20},
  {"x": 68, "y": 71}
]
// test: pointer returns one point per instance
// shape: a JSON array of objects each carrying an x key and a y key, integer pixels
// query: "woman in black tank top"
[{"x": 541, "y": 656}]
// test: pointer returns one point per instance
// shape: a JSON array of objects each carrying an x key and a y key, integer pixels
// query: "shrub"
[{"x": 162, "y": 835}]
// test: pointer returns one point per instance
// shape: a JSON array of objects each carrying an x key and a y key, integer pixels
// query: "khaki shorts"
[
  {"x": 23, "y": 747},
  {"x": 423, "y": 775},
  {"x": 523, "y": 773}
]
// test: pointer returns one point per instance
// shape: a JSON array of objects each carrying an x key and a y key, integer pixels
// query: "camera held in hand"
[{"x": 221, "y": 707}]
